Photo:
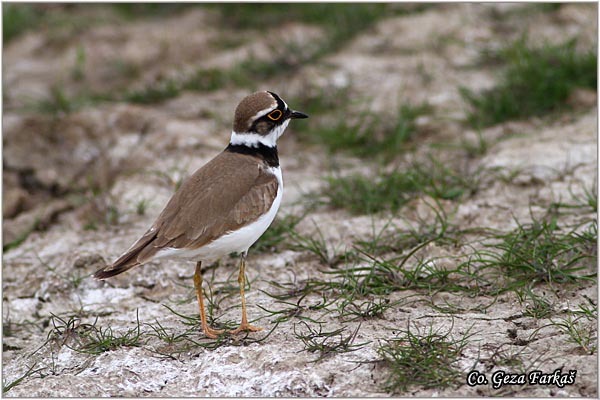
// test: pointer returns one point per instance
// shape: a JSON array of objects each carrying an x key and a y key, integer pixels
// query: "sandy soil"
[{"x": 132, "y": 153}]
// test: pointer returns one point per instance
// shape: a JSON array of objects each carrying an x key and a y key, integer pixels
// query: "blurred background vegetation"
[
  {"x": 536, "y": 80},
  {"x": 342, "y": 19},
  {"x": 533, "y": 79}
]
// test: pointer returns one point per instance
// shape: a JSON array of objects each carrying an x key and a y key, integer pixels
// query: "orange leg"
[
  {"x": 208, "y": 331},
  {"x": 244, "y": 326}
]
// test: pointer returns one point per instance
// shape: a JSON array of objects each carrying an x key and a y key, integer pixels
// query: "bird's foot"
[
  {"x": 246, "y": 327},
  {"x": 212, "y": 333}
]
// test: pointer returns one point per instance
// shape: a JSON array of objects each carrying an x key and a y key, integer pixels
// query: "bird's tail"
[
  {"x": 112, "y": 270},
  {"x": 140, "y": 252}
]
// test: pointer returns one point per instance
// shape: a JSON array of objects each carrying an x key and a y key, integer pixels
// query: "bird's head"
[{"x": 261, "y": 118}]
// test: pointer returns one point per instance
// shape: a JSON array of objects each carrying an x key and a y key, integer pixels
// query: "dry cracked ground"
[{"x": 438, "y": 226}]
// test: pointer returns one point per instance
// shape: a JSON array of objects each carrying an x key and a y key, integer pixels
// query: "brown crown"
[{"x": 248, "y": 108}]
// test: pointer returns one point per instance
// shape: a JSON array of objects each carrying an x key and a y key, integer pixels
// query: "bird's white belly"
[{"x": 237, "y": 241}]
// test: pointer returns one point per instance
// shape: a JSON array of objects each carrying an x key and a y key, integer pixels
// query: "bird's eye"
[{"x": 274, "y": 115}]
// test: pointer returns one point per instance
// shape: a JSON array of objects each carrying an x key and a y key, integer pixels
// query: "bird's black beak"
[{"x": 298, "y": 115}]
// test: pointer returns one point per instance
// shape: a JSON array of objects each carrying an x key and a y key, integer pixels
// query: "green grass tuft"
[
  {"x": 327, "y": 343},
  {"x": 580, "y": 332},
  {"x": 537, "y": 307},
  {"x": 342, "y": 21},
  {"x": 17, "y": 18},
  {"x": 317, "y": 245},
  {"x": 338, "y": 126},
  {"x": 349, "y": 309},
  {"x": 154, "y": 93},
  {"x": 425, "y": 359},
  {"x": 371, "y": 135},
  {"x": 362, "y": 194},
  {"x": 102, "y": 340},
  {"x": 90, "y": 339},
  {"x": 536, "y": 81},
  {"x": 543, "y": 252},
  {"x": 58, "y": 103},
  {"x": 141, "y": 206}
]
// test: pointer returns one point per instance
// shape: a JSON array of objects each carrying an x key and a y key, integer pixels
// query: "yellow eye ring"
[{"x": 275, "y": 115}]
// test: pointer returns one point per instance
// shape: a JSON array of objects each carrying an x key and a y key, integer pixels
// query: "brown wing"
[{"x": 227, "y": 193}]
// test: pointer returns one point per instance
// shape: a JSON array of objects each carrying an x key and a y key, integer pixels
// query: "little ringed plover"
[{"x": 226, "y": 205}]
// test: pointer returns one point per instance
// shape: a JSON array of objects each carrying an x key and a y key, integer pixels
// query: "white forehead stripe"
[{"x": 263, "y": 112}]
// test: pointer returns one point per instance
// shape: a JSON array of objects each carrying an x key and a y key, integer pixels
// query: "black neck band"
[{"x": 266, "y": 153}]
